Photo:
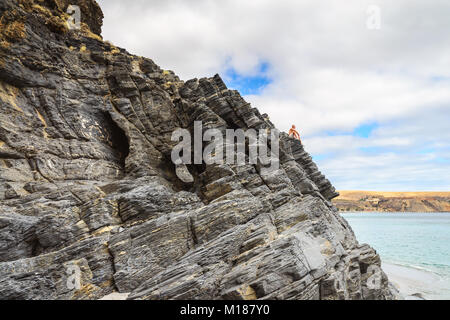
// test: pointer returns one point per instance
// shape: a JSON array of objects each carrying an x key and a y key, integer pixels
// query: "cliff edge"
[
  {"x": 90, "y": 200},
  {"x": 377, "y": 201}
]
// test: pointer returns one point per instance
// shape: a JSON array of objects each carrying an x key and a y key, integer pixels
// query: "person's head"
[{"x": 293, "y": 126}]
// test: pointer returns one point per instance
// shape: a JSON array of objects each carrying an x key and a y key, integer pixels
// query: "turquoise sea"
[{"x": 419, "y": 241}]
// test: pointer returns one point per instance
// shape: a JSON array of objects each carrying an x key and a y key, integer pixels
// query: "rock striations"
[{"x": 88, "y": 190}]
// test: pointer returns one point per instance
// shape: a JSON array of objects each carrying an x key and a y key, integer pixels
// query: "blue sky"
[
  {"x": 252, "y": 84},
  {"x": 372, "y": 106}
]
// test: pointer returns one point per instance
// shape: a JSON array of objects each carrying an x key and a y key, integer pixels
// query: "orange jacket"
[{"x": 294, "y": 133}]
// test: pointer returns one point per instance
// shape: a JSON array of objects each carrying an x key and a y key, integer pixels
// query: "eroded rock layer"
[{"x": 86, "y": 181}]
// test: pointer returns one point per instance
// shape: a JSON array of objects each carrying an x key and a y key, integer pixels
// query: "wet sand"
[{"x": 417, "y": 284}]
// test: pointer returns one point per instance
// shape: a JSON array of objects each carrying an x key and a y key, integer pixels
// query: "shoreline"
[
  {"x": 383, "y": 201},
  {"x": 412, "y": 283},
  {"x": 426, "y": 212},
  {"x": 417, "y": 283}
]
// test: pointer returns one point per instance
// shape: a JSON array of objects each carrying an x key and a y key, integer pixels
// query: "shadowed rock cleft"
[{"x": 117, "y": 139}]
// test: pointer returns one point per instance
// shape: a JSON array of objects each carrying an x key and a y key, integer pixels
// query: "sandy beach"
[{"x": 415, "y": 283}]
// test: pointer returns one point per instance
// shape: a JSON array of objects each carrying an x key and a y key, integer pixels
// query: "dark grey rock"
[{"x": 87, "y": 184}]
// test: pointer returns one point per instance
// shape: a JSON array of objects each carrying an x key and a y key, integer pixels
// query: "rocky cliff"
[
  {"x": 393, "y": 201},
  {"x": 88, "y": 188}
]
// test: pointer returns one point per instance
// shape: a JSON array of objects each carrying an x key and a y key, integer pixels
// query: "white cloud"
[
  {"x": 387, "y": 172},
  {"x": 328, "y": 71}
]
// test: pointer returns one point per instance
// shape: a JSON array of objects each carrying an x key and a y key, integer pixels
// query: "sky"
[{"x": 367, "y": 83}]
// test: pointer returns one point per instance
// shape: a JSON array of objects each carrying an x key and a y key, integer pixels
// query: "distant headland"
[{"x": 393, "y": 201}]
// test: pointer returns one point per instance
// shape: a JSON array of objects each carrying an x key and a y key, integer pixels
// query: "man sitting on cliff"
[{"x": 294, "y": 133}]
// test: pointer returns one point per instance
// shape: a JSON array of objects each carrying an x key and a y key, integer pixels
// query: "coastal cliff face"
[
  {"x": 393, "y": 201},
  {"x": 87, "y": 183}
]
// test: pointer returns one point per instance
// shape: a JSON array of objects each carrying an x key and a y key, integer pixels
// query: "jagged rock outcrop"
[{"x": 87, "y": 182}]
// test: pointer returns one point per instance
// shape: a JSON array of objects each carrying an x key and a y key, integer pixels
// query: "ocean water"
[{"x": 415, "y": 240}]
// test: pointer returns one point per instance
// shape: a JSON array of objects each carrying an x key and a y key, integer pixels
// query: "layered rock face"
[{"x": 87, "y": 182}]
